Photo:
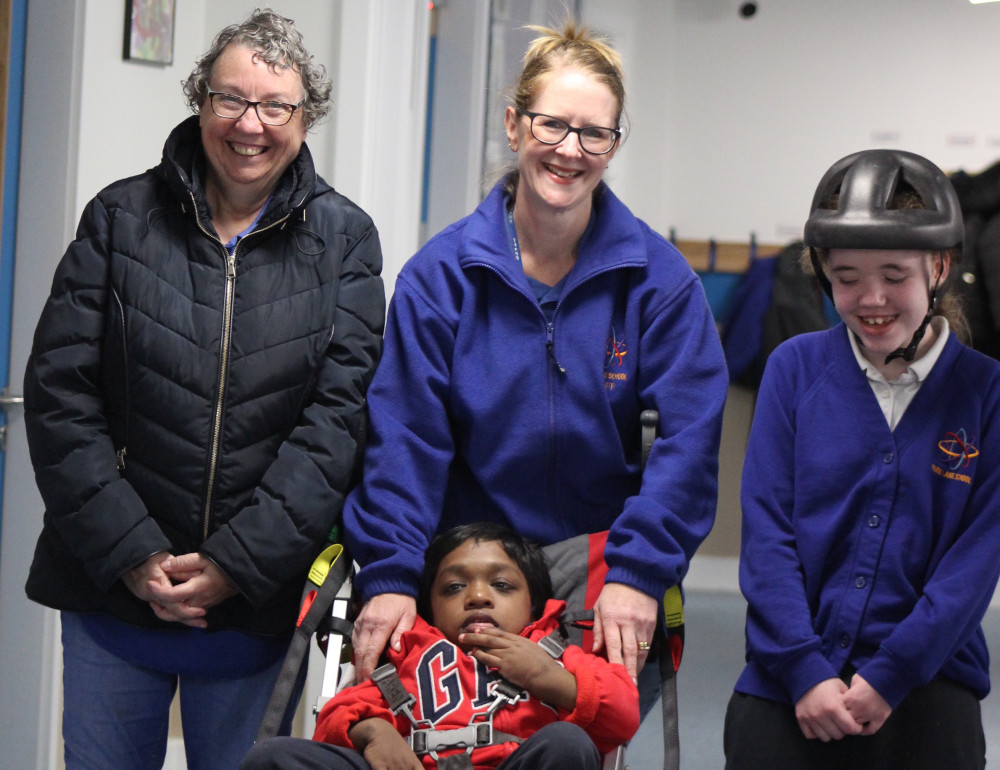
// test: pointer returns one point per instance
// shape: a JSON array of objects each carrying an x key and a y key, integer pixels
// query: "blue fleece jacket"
[
  {"x": 480, "y": 410},
  {"x": 863, "y": 546}
]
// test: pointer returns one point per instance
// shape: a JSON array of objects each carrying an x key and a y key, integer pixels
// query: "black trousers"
[
  {"x": 557, "y": 746},
  {"x": 937, "y": 726}
]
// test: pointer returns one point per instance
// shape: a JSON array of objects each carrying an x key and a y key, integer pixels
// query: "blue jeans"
[{"x": 115, "y": 713}]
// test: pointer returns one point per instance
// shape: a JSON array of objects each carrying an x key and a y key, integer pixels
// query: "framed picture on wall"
[{"x": 149, "y": 31}]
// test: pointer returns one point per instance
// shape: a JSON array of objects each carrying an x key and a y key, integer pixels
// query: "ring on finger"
[{"x": 643, "y": 646}]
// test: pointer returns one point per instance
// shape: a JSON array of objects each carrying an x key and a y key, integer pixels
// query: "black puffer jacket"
[
  {"x": 976, "y": 279},
  {"x": 180, "y": 400}
]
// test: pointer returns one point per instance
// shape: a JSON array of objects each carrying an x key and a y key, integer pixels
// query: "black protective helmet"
[{"x": 865, "y": 183}]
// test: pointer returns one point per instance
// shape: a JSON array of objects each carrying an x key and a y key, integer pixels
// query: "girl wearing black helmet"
[
  {"x": 893, "y": 214},
  {"x": 871, "y": 529}
]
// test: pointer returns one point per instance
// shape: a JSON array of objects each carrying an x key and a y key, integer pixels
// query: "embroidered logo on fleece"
[
  {"x": 614, "y": 358},
  {"x": 957, "y": 453}
]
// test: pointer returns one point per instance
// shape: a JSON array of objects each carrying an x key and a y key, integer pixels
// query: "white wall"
[
  {"x": 128, "y": 107},
  {"x": 459, "y": 113},
  {"x": 735, "y": 120},
  {"x": 380, "y": 133}
]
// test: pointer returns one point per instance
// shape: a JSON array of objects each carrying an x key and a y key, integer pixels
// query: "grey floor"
[{"x": 713, "y": 658}]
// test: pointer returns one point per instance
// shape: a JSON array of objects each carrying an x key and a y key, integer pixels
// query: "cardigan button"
[
  {"x": 888, "y": 458},
  {"x": 860, "y": 582},
  {"x": 873, "y": 521}
]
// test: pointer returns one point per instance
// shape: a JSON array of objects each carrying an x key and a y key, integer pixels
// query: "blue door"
[{"x": 13, "y": 16}]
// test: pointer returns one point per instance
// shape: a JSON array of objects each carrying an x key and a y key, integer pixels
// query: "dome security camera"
[{"x": 747, "y": 10}]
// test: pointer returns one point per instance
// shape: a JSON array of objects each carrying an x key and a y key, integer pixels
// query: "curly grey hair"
[{"x": 277, "y": 42}]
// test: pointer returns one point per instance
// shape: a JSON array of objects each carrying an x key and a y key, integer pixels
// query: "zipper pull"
[
  {"x": 550, "y": 347},
  {"x": 121, "y": 459},
  {"x": 231, "y": 265}
]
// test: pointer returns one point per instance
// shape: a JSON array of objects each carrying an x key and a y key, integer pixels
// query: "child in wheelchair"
[{"x": 491, "y": 684}]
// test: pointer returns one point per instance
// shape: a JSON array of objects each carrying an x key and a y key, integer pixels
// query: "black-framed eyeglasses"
[
  {"x": 233, "y": 107},
  {"x": 596, "y": 140}
]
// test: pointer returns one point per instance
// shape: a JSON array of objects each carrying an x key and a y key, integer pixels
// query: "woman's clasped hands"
[{"x": 180, "y": 589}]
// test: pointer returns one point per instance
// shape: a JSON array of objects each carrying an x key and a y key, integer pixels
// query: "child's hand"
[
  {"x": 866, "y": 706},
  {"x": 518, "y": 660},
  {"x": 523, "y": 663},
  {"x": 822, "y": 714},
  {"x": 392, "y": 755},
  {"x": 382, "y": 746}
]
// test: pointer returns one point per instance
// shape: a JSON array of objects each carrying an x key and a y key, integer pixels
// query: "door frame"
[{"x": 30, "y": 654}]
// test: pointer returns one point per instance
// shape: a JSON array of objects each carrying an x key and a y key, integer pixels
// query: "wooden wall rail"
[{"x": 730, "y": 257}]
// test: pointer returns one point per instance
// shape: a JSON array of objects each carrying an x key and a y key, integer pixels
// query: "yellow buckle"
[{"x": 321, "y": 566}]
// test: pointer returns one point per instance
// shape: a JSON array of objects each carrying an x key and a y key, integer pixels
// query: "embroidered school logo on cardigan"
[{"x": 958, "y": 451}]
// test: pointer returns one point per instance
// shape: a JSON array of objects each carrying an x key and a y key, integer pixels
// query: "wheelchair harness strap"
[{"x": 478, "y": 733}]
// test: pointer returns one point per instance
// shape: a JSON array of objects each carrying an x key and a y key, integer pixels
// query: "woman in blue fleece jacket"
[
  {"x": 871, "y": 523},
  {"x": 523, "y": 342}
]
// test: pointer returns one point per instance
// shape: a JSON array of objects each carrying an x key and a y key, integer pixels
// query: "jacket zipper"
[
  {"x": 549, "y": 328},
  {"x": 227, "y": 332},
  {"x": 550, "y": 335},
  {"x": 550, "y": 349}
]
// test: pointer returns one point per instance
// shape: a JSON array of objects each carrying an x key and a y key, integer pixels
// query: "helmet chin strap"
[{"x": 910, "y": 351}]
